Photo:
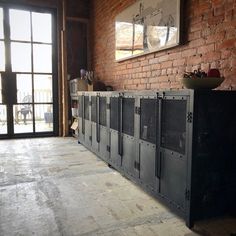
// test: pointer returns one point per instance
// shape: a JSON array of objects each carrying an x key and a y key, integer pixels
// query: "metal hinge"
[
  {"x": 190, "y": 117},
  {"x": 187, "y": 194},
  {"x": 108, "y": 106},
  {"x": 160, "y": 95},
  {"x": 138, "y": 110},
  {"x": 108, "y": 148},
  {"x": 137, "y": 165}
]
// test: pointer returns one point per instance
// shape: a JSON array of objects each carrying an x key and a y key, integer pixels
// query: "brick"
[
  {"x": 227, "y": 44},
  {"x": 179, "y": 62},
  {"x": 146, "y": 68},
  {"x": 194, "y": 60},
  {"x": 216, "y": 20},
  {"x": 156, "y": 67},
  {"x": 144, "y": 63},
  {"x": 211, "y": 56},
  {"x": 216, "y": 37},
  {"x": 206, "y": 48},
  {"x": 167, "y": 64},
  {"x": 189, "y": 52},
  {"x": 197, "y": 43},
  {"x": 219, "y": 10},
  {"x": 153, "y": 61},
  {"x": 153, "y": 80}
]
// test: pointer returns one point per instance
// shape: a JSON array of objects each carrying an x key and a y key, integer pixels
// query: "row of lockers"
[{"x": 167, "y": 143}]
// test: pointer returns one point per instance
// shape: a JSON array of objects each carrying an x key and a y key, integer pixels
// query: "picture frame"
[{"x": 147, "y": 26}]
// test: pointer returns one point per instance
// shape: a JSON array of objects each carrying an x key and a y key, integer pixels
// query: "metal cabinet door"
[
  {"x": 128, "y": 140},
  {"x": 173, "y": 151},
  {"x": 94, "y": 121},
  {"x": 114, "y": 134},
  {"x": 87, "y": 132},
  {"x": 147, "y": 142},
  {"x": 81, "y": 127},
  {"x": 103, "y": 131}
]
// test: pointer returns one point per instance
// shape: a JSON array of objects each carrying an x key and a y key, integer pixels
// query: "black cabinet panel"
[{"x": 180, "y": 145}]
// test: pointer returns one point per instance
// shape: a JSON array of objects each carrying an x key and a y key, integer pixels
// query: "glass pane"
[
  {"x": 42, "y": 58},
  {"x": 23, "y": 118},
  {"x": 43, "y": 118},
  {"x": 20, "y": 25},
  {"x": 42, "y": 88},
  {"x": 42, "y": 27},
  {"x": 3, "y": 119},
  {"x": 24, "y": 88},
  {"x": 21, "y": 57},
  {"x": 2, "y": 56},
  {"x": 1, "y": 24}
]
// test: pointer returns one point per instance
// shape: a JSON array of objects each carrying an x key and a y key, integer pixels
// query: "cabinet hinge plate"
[
  {"x": 187, "y": 194},
  {"x": 138, "y": 110},
  {"x": 190, "y": 117},
  {"x": 137, "y": 165}
]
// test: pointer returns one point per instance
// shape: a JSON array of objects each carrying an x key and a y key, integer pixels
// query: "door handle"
[
  {"x": 83, "y": 116},
  {"x": 98, "y": 118},
  {"x": 120, "y": 126},
  {"x": 159, "y": 163}
]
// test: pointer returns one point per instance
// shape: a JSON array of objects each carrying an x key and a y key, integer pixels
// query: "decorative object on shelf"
[
  {"x": 147, "y": 26},
  {"x": 88, "y": 76},
  {"x": 82, "y": 73},
  {"x": 201, "y": 80}
]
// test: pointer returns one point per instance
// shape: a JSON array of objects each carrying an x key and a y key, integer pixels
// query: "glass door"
[
  {"x": 3, "y": 107},
  {"x": 27, "y": 81}
]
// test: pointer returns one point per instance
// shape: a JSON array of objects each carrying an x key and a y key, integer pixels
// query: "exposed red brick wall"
[{"x": 210, "y": 41}]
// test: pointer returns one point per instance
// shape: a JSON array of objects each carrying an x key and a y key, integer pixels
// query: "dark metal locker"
[
  {"x": 81, "y": 118},
  {"x": 187, "y": 157},
  {"x": 147, "y": 142},
  {"x": 87, "y": 121},
  {"x": 128, "y": 140},
  {"x": 103, "y": 131},
  {"x": 214, "y": 154},
  {"x": 94, "y": 119},
  {"x": 172, "y": 156},
  {"x": 115, "y": 131}
]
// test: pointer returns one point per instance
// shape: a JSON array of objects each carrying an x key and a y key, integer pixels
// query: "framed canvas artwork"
[{"x": 147, "y": 26}]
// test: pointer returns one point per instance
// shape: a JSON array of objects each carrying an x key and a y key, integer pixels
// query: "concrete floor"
[{"x": 53, "y": 186}]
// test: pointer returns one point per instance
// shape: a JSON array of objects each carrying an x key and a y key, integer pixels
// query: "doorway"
[{"x": 28, "y": 98}]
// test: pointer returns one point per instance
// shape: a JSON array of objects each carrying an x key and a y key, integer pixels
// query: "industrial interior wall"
[{"x": 209, "y": 42}]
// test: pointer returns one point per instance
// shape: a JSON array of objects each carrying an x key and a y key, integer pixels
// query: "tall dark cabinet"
[{"x": 178, "y": 145}]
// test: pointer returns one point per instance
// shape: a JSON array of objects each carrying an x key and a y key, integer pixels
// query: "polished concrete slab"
[{"x": 54, "y": 186}]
